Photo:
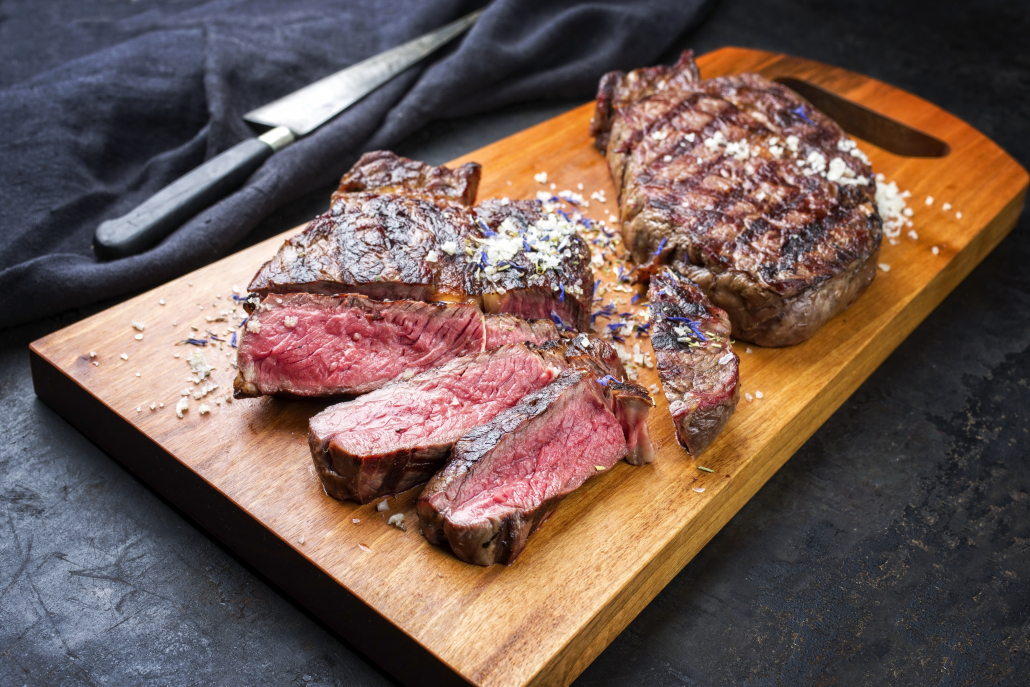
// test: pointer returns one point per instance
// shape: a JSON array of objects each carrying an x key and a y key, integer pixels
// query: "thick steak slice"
[
  {"x": 315, "y": 345},
  {"x": 399, "y": 229},
  {"x": 754, "y": 194},
  {"x": 381, "y": 171},
  {"x": 697, "y": 366},
  {"x": 506, "y": 477},
  {"x": 396, "y": 437}
]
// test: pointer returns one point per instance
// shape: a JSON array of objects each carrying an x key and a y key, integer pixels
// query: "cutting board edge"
[
  {"x": 583, "y": 648},
  {"x": 273, "y": 558}
]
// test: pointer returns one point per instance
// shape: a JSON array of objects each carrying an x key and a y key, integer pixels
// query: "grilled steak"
[
  {"x": 400, "y": 229},
  {"x": 395, "y": 438},
  {"x": 697, "y": 366},
  {"x": 507, "y": 476},
  {"x": 315, "y": 345},
  {"x": 751, "y": 192}
]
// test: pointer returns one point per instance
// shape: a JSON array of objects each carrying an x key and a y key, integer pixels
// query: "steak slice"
[
  {"x": 396, "y": 437},
  {"x": 507, "y": 476},
  {"x": 696, "y": 362},
  {"x": 381, "y": 171},
  {"x": 400, "y": 229},
  {"x": 313, "y": 345},
  {"x": 751, "y": 192}
]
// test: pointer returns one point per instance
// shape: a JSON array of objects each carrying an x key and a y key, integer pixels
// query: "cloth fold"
[{"x": 125, "y": 98}]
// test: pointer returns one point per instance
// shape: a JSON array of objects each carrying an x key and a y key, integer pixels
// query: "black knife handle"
[{"x": 169, "y": 208}]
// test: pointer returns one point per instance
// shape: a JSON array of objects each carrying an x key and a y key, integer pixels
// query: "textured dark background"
[{"x": 891, "y": 549}]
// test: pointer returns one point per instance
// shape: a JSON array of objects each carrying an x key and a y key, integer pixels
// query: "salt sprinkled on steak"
[
  {"x": 314, "y": 345},
  {"x": 747, "y": 189},
  {"x": 696, "y": 363},
  {"x": 507, "y": 476}
]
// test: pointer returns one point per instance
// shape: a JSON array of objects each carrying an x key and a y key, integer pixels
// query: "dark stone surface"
[{"x": 891, "y": 549}]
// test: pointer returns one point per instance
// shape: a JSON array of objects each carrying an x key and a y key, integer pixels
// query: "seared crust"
[
  {"x": 381, "y": 171},
  {"x": 401, "y": 229},
  {"x": 695, "y": 360},
  {"x": 762, "y": 199}
]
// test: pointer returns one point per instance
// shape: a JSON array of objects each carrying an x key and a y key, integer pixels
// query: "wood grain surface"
[{"x": 243, "y": 469}]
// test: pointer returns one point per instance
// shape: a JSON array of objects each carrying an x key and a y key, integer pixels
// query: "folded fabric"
[{"x": 103, "y": 104}]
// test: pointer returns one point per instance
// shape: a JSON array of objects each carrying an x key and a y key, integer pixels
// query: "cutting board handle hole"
[{"x": 861, "y": 122}]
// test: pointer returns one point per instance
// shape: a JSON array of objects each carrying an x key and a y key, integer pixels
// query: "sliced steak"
[
  {"x": 399, "y": 229},
  {"x": 396, "y": 437},
  {"x": 751, "y": 192},
  {"x": 381, "y": 171},
  {"x": 507, "y": 476},
  {"x": 314, "y": 345},
  {"x": 696, "y": 363}
]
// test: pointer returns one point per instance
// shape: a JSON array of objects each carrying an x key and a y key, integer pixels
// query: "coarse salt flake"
[
  {"x": 397, "y": 520},
  {"x": 758, "y": 394},
  {"x": 138, "y": 337},
  {"x": 958, "y": 215},
  {"x": 449, "y": 247},
  {"x": 947, "y": 206},
  {"x": 699, "y": 490},
  {"x": 935, "y": 250},
  {"x": 726, "y": 358},
  {"x": 929, "y": 200},
  {"x": 432, "y": 256},
  {"x": 182, "y": 406},
  {"x": 204, "y": 409},
  {"x": 161, "y": 301},
  {"x": 290, "y": 321},
  {"x": 124, "y": 356},
  {"x": 139, "y": 326},
  {"x": 382, "y": 506},
  {"x": 885, "y": 267},
  {"x": 355, "y": 520},
  {"x": 92, "y": 354},
  {"x": 748, "y": 398},
  {"x": 540, "y": 178},
  {"x": 913, "y": 235}
]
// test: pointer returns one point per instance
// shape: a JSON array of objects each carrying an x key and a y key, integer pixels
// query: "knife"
[{"x": 290, "y": 117}]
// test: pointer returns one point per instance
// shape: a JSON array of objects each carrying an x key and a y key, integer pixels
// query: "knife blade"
[{"x": 290, "y": 117}]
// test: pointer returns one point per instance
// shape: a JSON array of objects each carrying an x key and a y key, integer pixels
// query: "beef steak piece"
[
  {"x": 506, "y": 476},
  {"x": 396, "y": 437},
  {"x": 313, "y": 345},
  {"x": 750, "y": 191},
  {"x": 400, "y": 229},
  {"x": 695, "y": 360}
]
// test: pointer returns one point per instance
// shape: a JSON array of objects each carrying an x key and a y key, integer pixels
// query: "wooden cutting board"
[{"x": 244, "y": 473}]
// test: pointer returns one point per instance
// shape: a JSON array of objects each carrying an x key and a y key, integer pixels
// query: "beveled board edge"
[{"x": 354, "y": 620}]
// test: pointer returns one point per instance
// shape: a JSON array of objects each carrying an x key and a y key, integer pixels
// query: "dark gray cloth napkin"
[{"x": 104, "y": 103}]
